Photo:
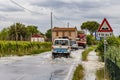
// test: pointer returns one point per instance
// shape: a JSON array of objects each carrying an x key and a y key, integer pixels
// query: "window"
[
  {"x": 61, "y": 42},
  {"x": 56, "y": 33},
  {"x": 63, "y": 33},
  {"x": 69, "y": 33}
]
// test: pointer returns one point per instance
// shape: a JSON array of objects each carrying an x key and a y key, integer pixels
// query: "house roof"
[
  {"x": 64, "y": 29},
  {"x": 37, "y": 35}
]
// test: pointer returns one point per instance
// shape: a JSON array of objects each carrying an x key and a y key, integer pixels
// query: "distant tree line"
[
  {"x": 18, "y": 31},
  {"x": 21, "y": 32}
]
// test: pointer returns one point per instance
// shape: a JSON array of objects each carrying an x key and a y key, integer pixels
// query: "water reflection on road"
[{"x": 39, "y": 67}]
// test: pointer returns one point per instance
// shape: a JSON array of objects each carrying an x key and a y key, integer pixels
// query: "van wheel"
[
  {"x": 53, "y": 56},
  {"x": 84, "y": 46},
  {"x": 67, "y": 56}
]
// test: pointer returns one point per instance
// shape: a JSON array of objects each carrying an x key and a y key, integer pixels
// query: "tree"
[
  {"x": 31, "y": 29},
  {"x": 91, "y": 26},
  {"x": 48, "y": 35},
  {"x": 4, "y": 35},
  {"x": 80, "y": 32},
  {"x": 17, "y": 31}
]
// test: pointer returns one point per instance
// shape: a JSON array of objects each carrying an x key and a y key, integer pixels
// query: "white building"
[{"x": 37, "y": 38}]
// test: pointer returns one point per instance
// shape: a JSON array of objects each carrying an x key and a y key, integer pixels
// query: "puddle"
[{"x": 58, "y": 75}]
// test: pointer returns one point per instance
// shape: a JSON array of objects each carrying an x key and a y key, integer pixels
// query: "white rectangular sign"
[{"x": 104, "y": 34}]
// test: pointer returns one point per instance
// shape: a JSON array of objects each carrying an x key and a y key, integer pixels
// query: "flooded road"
[{"x": 39, "y": 67}]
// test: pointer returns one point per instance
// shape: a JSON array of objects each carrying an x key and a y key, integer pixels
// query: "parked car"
[{"x": 74, "y": 44}]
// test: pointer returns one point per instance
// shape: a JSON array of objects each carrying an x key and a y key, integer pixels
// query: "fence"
[{"x": 113, "y": 69}]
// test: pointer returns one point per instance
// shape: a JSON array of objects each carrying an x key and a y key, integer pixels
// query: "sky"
[{"x": 74, "y": 12}]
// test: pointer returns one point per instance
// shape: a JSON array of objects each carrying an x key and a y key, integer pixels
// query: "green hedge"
[{"x": 20, "y": 48}]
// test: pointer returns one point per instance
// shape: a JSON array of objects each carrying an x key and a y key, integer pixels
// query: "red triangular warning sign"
[{"x": 105, "y": 26}]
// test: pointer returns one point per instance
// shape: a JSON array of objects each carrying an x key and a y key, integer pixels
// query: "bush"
[
  {"x": 113, "y": 54},
  {"x": 111, "y": 41},
  {"x": 91, "y": 40}
]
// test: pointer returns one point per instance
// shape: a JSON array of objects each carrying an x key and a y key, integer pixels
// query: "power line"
[
  {"x": 24, "y": 7},
  {"x": 62, "y": 21},
  {"x": 58, "y": 19},
  {"x": 35, "y": 12}
]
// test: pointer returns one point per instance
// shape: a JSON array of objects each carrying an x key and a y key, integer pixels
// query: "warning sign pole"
[{"x": 105, "y": 42}]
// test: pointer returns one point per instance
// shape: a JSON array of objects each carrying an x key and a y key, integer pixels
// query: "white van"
[{"x": 61, "y": 47}]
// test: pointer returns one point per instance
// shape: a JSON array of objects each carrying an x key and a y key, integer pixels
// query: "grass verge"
[
  {"x": 79, "y": 73},
  {"x": 100, "y": 74},
  {"x": 86, "y": 52}
]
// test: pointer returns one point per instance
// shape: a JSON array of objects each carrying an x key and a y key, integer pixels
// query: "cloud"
[
  {"x": 10, "y": 9},
  {"x": 52, "y": 4},
  {"x": 73, "y": 11},
  {"x": 83, "y": 5},
  {"x": 7, "y": 6}
]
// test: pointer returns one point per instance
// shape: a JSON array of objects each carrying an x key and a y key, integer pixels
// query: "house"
[
  {"x": 37, "y": 38},
  {"x": 58, "y": 32}
]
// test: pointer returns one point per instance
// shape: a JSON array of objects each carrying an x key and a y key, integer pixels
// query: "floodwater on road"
[
  {"x": 39, "y": 67},
  {"x": 91, "y": 66}
]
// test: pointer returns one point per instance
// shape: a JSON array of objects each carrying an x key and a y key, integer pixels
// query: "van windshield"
[
  {"x": 61, "y": 42},
  {"x": 72, "y": 42}
]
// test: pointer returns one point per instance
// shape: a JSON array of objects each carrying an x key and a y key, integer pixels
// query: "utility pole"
[
  {"x": 51, "y": 25},
  {"x": 68, "y": 24}
]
